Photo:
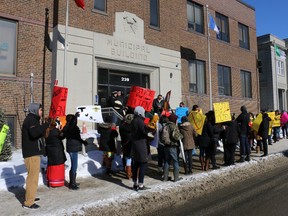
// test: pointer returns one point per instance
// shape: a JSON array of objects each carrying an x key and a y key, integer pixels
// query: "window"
[
  {"x": 224, "y": 80},
  {"x": 197, "y": 77},
  {"x": 243, "y": 36},
  {"x": 195, "y": 17},
  {"x": 8, "y": 47},
  {"x": 223, "y": 25},
  {"x": 100, "y": 5},
  {"x": 280, "y": 67},
  {"x": 154, "y": 13},
  {"x": 246, "y": 86}
]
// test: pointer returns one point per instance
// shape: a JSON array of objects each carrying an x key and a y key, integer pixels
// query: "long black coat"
[
  {"x": 139, "y": 139},
  {"x": 264, "y": 128},
  {"x": 107, "y": 137},
  {"x": 126, "y": 134},
  {"x": 55, "y": 148},
  {"x": 207, "y": 133}
]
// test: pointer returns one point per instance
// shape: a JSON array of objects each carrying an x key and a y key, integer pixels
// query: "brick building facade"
[{"x": 162, "y": 45}]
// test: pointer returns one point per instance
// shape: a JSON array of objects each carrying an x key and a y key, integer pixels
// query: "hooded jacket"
[
  {"x": 32, "y": 131},
  {"x": 243, "y": 120},
  {"x": 188, "y": 132}
]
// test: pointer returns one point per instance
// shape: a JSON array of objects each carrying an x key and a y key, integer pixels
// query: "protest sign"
[
  {"x": 257, "y": 122},
  {"x": 197, "y": 119},
  {"x": 3, "y": 135},
  {"x": 222, "y": 112},
  {"x": 90, "y": 113},
  {"x": 58, "y": 102},
  {"x": 139, "y": 96},
  {"x": 180, "y": 112}
]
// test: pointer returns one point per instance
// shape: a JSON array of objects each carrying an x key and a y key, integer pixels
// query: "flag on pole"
[
  {"x": 279, "y": 53},
  {"x": 212, "y": 24},
  {"x": 80, "y": 3},
  {"x": 166, "y": 105}
]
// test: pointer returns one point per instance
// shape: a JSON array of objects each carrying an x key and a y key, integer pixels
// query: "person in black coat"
[
  {"x": 73, "y": 146},
  {"x": 54, "y": 145},
  {"x": 108, "y": 133},
  {"x": 263, "y": 132},
  {"x": 139, "y": 148}
]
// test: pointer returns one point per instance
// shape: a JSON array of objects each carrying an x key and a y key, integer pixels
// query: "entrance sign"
[
  {"x": 58, "y": 102},
  {"x": 139, "y": 96},
  {"x": 222, "y": 112},
  {"x": 90, "y": 113}
]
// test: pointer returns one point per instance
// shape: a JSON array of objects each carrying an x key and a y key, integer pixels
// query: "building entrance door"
[{"x": 114, "y": 80}]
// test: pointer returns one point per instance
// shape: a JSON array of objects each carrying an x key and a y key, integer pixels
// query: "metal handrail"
[{"x": 110, "y": 110}]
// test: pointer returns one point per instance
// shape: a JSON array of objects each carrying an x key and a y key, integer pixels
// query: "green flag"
[{"x": 279, "y": 53}]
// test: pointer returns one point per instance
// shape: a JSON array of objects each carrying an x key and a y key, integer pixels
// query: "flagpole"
[
  {"x": 66, "y": 44},
  {"x": 209, "y": 59}
]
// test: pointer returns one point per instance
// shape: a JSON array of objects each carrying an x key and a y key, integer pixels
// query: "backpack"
[{"x": 168, "y": 138}]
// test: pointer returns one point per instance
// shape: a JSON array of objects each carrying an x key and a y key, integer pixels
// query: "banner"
[
  {"x": 180, "y": 112},
  {"x": 197, "y": 119},
  {"x": 222, "y": 112},
  {"x": 139, "y": 96},
  {"x": 90, "y": 113},
  {"x": 257, "y": 122},
  {"x": 166, "y": 105},
  {"x": 58, "y": 102},
  {"x": 3, "y": 135}
]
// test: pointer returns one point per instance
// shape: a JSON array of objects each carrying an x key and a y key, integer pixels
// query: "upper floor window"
[
  {"x": 280, "y": 67},
  {"x": 197, "y": 77},
  {"x": 154, "y": 13},
  {"x": 223, "y": 26},
  {"x": 243, "y": 36},
  {"x": 195, "y": 17},
  {"x": 8, "y": 47},
  {"x": 246, "y": 84},
  {"x": 224, "y": 80},
  {"x": 100, "y": 5}
]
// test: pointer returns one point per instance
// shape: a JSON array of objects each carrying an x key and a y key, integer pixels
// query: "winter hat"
[
  {"x": 243, "y": 109},
  {"x": 128, "y": 118},
  {"x": 184, "y": 119},
  {"x": 173, "y": 118},
  {"x": 69, "y": 117},
  {"x": 139, "y": 110}
]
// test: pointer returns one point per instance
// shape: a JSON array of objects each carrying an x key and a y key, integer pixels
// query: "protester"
[
  {"x": 263, "y": 132},
  {"x": 171, "y": 146},
  {"x": 126, "y": 143},
  {"x": 55, "y": 154},
  {"x": 276, "y": 128},
  {"x": 283, "y": 120},
  {"x": 243, "y": 120},
  {"x": 108, "y": 133},
  {"x": 181, "y": 104},
  {"x": 139, "y": 148},
  {"x": 158, "y": 104},
  {"x": 189, "y": 133},
  {"x": 115, "y": 103},
  {"x": 73, "y": 146},
  {"x": 32, "y": 133}
]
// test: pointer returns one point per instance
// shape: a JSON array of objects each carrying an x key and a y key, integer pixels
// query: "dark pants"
[
  {"x": 188, "y": 159},
  {"x": 265, "y": 146},
  {"x": 160, "y": 151},
  {"x": 138, "y": 175},
  {"x": 229, "y": 153},
  {"x": 244, "y": 146},
  {"x": 171, "y": 154},
  {"x": 213, "y": 149}
]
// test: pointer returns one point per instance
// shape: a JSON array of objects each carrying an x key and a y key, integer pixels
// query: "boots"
[
  {"x": 72, "y": 183},
  {"x": 202, "y": 163},
  {"x": 207, "y": 164},
  {"x": 128, "y": 172},
  {"x": 176, "y": 175}
]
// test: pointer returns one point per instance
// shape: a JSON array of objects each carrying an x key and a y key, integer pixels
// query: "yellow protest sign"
[
  {"x": 197, "y": 119},
  {"x": 257, "y": 122},
  {"x": 222, "y": 112},
  {"x": 3, "y": 135}
]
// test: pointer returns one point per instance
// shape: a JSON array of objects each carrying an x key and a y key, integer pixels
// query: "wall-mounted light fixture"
[
  {"x": 75, "y": 61},
  {"x": 171, "y": 75}
]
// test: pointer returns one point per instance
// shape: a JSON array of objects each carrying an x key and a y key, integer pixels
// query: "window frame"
[
  {"x": 100, "y": 9},
  {"x": 280, "y": 67},
  {"x": 156, "y": 4},
  {"x": 243, "y": 32},
  {"x": 246, "y": 84},
  {"x": 194, "y": 22},
  {"x": 227, "y": 91},
  {"x": 197, "y": 84},
  {"x": 4, "y": 46},
  {"x": 222, "y": 22}
]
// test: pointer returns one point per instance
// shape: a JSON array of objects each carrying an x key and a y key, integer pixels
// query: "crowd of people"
[{"x": 171, "y": 135}]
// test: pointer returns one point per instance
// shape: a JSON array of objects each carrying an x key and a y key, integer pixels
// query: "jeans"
[
  {"x": 244, "y": 145},
  {"x": 171, "y": 154},
  {"x": 141, "y": 166},
  {"x": 74, "y": 161}
]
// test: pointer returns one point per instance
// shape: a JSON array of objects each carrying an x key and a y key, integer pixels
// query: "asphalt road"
[{"x": 265, "y": 195}]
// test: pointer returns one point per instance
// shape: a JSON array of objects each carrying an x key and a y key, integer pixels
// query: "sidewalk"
[{"x": 102, "y": 190}]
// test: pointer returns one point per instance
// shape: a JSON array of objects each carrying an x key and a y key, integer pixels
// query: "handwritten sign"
[
  {"x": 58, "y": 102},
  {"x": 197, "y": 119},
  {"x": 90, "y": 113},
  {"x": 222, "y": 112},
  {"x": 180, "y": 112},
  {"x": 139, "y": 96},
  {"x": 3, "y": 135}
]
